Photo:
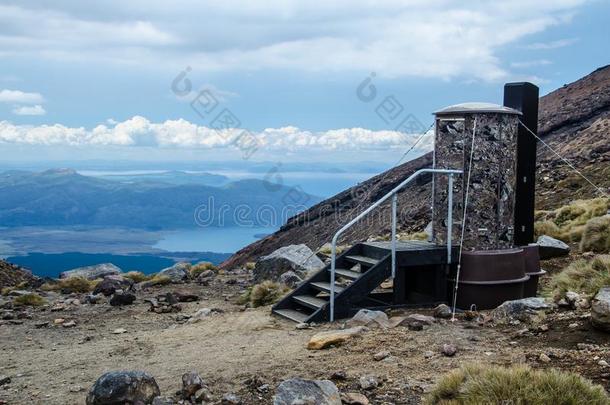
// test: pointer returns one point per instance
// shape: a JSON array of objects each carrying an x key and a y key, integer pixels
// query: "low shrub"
[
  {"x": 72, "y": 284},
  {"x": 519, "y": 384},
  {"x": 596, "y": 235},
  {"x": 582, "y": 276},
  {"x": 137, "y": 276},
  {"x": 200, "y": 267},
  {"x": 31, "y": 300},
  {"x": 250, "y": 266},
  {"x": 265, "y": 293}
]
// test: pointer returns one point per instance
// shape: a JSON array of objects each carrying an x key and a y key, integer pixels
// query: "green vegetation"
[
  {"x": 138, "y": 276},
  {"x": 32, "y": 300},
  {"x": 250, "y": 266},
  {"x": 72, "y": 284},
  {"x": 265, "y": 293},
  {"x": 569, "y": 223},
  {"x": 582, "y": 276},
  {"x": 519, "y": 385},
  {"x": 200, "y": 267},
  {"x": 158, "y": 279}
]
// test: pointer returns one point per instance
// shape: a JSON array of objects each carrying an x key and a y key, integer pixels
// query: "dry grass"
[
  {"x": 72, "y": 284},
  {"x": 31, "y": 300},
  {"x": 582, "y": 276},
  {"x": 479, "y": 384},
  {"x": 596, "y": 235},
  {"x": 200, "y": 267},
  {"x": 265, "y": 293},
  {"x": 138, "y": 276},
  {"x": 413, "y": 236},
  {"x": 250, "y": 266},
  {"x": 569, "y": 222},
  {"x": 158, "y": 279}
]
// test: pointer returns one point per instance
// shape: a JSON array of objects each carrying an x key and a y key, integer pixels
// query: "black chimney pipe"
[{"x": 524, "y": 97}]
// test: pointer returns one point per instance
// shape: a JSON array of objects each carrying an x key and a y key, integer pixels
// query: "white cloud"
[
  {"x": 139, "y": 131},
  {"x": 29, "y": 110},
  {"x": 437, "y": 38},
  {"x": 18, "y": 96},
  {"x": 531, "y": 63},
  {"x": 561, "y": 43}
]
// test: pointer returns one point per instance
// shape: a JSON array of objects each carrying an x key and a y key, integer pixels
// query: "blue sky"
[{"x": 94, "y": 81}]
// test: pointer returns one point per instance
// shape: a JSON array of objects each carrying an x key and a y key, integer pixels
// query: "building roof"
[{"x": 472, "y": 108}]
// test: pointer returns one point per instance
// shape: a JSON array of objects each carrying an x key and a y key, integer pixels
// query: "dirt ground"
[{"x": 241, "y": 350}]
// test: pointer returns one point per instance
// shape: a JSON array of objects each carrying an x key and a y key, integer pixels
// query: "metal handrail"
[{"x": 392, "y": 193}]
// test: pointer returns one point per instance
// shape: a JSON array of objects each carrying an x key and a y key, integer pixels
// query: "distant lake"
[{"x": 229, "y": 239}]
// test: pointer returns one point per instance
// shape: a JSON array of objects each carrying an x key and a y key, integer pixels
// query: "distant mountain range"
[{"x": 62, "y": 197}]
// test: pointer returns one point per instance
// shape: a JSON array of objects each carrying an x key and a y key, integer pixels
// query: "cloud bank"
[{"x": 139, "y": 131}]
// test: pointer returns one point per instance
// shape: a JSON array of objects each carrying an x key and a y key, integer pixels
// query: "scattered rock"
[
  {"x": 191, "y": 383},
  {"x": 163, "y": 401},
  {"x": 4, "y": 379},
  {"x": 205, "y": 276},
  {"x": 76, "y": 388},
  {"x": 110, "y": 284},
  {"x": 41, "y": 324},
  {"x": 297, "y": 258},
  {"x": 428, "y": 354},
  {"x": 301, "y": 326},
  {"x": 368, "y": 382},
  {"x": 69, "y": 324},
  {"x": 323, "y": 340},
  {"x": 600, "y": 310},
  {"x": 370, "y": 319},
  {"x": 58, "y": 321},
  {"x": 415, "y": 326},
  {"x": 381, "y": 355},
  {"x": 602, "y": 363},
  {"x": 339, "y": 375},
  {"x": 92, "y": 299},
  {"x": 120, "y": 387},
  {"x": 519, "y": 309},
  {"x": 424, "y": 319},
  {"x": 200, "y": 315},
  {"x": 449, "y": 350},
  {"x": 354, "y": 398},
  {"x": 92, "y": 272},
  {"x": 118, "y": 331},
  {"x": 299, "y": 391},
  {"x": 177, "y": 273},
  {"x": 551, "y": 247},
  {"x": 121, "y": 298},
  {"x": 183, "y": 296},
  {"x": 443, "y": 311},
  {"x": 544, "y": 358},
  {"x": 290, "y": 279},
  {"x": 230, "y": 399}
]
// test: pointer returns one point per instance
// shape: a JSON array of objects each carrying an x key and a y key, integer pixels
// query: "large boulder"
[
  {"x": 92, "y": 272},
  {"x": 123, "y": 387},
  {"x": 177, "y": 273},
  {"x": 519, "y": 309},
  {"x": 600, "y": 310},
  {"x": 111, "y": 283},
  {"x": 298, "y": 391},
  {"x": 323, "y": 340},
  {"x": 369, "y": 318},
  {"x": 297, "y": 258},
  {"x": 550, "y": 247},
  {"x": 121, "y": 298}
]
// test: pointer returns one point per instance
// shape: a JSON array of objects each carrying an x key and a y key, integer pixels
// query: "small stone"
[
  {"x": 543, "y": 328},
  {"x": 323, "y": 340},
  {"x": 41, "y": 324},
  {"x": 203, "y": 395},
  {"x": 4, "y": 379},
  {"x": 263, "y": 388},
  {"x": 191, "y": 383},
  {"x": 354, "y": 398},
  {"x": 58, "y": 321},
  {"x": 573, "y": 325},
  {"x": 339, "y": 375},
  {"x": 449, "y": 350},
  {"x": 118, "y": 331},
  {"x": 368, "y": 382},
  {"x": 602, "y": 363},
  {"x": 415, "y": 326},
  {"x": 230, "y": 399},
  {"x": 296, "y": 391},
  {"x": 120, "y": 387},
  {"x": 301, "y": 326},
  {"x": 428, "y": 354},
  {"x": 544, "y": 358},
  {"x": 76, "y": 388},
  {"x": 199, "y": 315},
  {"x": 381, "y": 355},
  {"x": 443, "y": 311},
  {"x": 183, "y": 296},
  {"x": 69, "y": 324},
  {"x": 163, "y": 401}
]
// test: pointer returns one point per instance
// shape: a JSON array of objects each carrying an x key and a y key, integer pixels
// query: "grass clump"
[
  {"x": 137, "y": 276},
  {"x": 250, "y": 266},
  {"x": 519, "y": 384},
  {"x": 200, "y": 267},
  {"x": 265, "y": 293},
  {"x": 582, "y": 276},
  {"x": 30, "y": 300},
  {"x": 596, "y": 235},
  {"x": 414, "y": 236},
  {"x": 72, "y": 284},
  {"x": 159, "y": 279}
]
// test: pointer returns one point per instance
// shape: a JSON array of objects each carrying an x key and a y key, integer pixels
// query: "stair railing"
[{"x": 393, "y": 194}]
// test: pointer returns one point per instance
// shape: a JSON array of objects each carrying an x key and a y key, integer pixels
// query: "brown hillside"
[{"x": 574, "y": 120}]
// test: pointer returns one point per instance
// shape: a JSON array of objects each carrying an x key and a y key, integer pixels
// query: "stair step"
[
  {"x": 292, "y": 314},
  {"x": 367, "y": 261},
  {"x": 347, "y": 273},
  {"x": 309, "y": 301},
  {"x": 325, "y": 286}
]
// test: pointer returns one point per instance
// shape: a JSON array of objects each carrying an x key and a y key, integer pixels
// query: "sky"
[{"x": 297, "y": 81}]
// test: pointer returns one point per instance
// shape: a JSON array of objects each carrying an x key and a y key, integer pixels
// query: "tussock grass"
[
  {"x": 250, "y": 266},
  {"x": 569, "y": 223},
  {"x": 326, "y": 249},
  {"x": 582, "y": 276},
  {"x": 159, "y": 279},
  {"x": 265, "y": 293},
  {"x": 137, "y": 276},
  {"x": 413, "y": 236},
  {"x": 72, "y": 284},
  {"x": 200, "y": 267},
  {"x": 518, "y": 385},
  {"x": 31, "y": 300},
  {"x": 596, "y": 235}
]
